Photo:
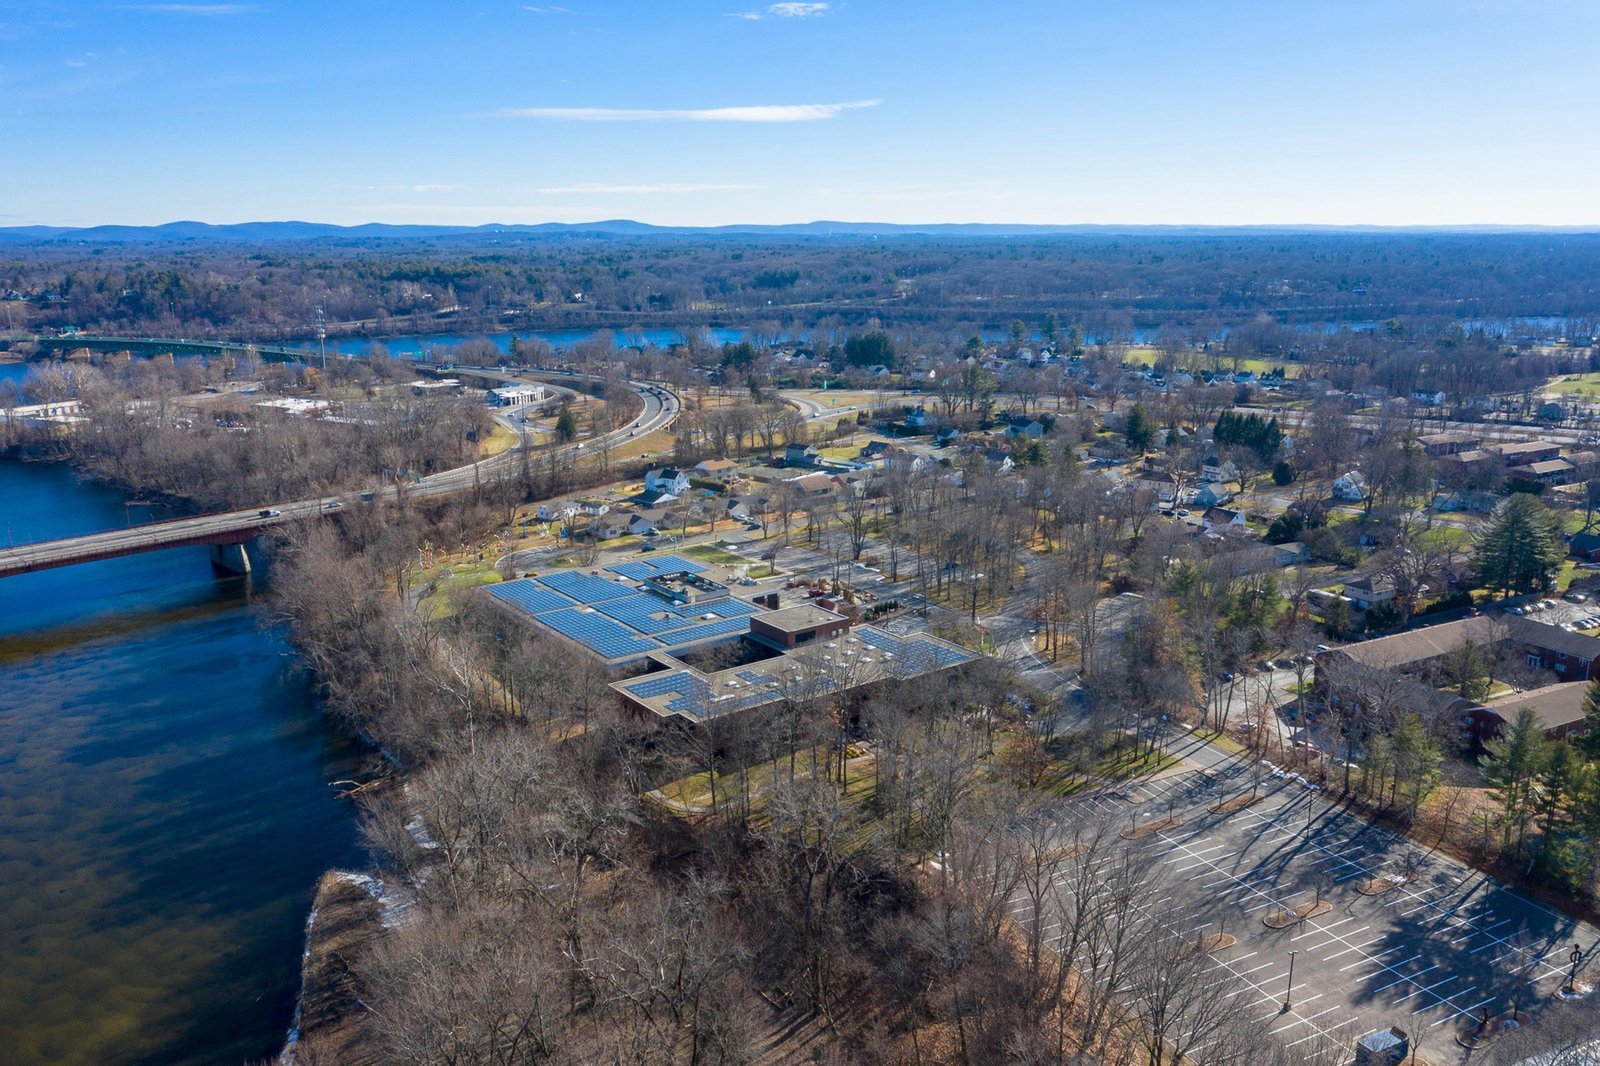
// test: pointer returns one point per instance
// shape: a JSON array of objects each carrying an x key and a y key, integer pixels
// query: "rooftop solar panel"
[
  {"x": 601, "y": 635},
  {"x": 528, "y": 596},
  {"x": 721, "y": 627},
  {"x": 640, "y": 569},
  {"x": 728, "y": 608},
  {"x": 585, "y": 588},
  {"x": 639, "y": 611}
]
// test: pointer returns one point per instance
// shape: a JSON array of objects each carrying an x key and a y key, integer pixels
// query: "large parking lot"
[{"x": 1427, "y": 956}]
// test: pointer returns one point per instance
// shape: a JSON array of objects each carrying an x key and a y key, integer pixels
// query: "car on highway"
[
  {"x": 333, "y": 505},
  {"x": 269, "y": 512}
]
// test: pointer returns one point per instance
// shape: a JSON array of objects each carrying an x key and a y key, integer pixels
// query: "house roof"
[
  {"x": 1585, "y": 542},
  {"x": 1474, "y": 455},
  {"x": 1220, "y": 515},
  {"x": 1544, "y": 466},
  {"x": 717, "y": 464},
  {"x": 1430, "y": 642},
  {"x": 1450, "y": 437},
  {"x": 1512, "y": 449},
  {"x": 1553, "y": 705}
]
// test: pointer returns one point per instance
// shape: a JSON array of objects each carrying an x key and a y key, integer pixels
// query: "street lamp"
[
  {"x": 1288, "y": 993},
  {"x": 1576, "y": 957},
  {"x": 976, "y": 577}
]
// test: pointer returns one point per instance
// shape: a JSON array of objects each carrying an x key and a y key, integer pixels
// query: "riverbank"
[{"x": 346, "y": 915}]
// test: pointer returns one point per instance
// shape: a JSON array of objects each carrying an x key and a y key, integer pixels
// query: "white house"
[
  {"x": 555, "y": 512},
  {"x": 1217, "y": 519},
  {"x": 1218, "y": 469},
  {"x": 918, "y": 418},
  {"x": 668, "y": 479},
  {"x": 1351, "y": 487}
]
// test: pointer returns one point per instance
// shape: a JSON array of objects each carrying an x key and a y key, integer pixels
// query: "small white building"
[
  {"x": 668, "y": 479},
  {"x": 518, "y": 395},
  {"x": 1351, "y": 487}
]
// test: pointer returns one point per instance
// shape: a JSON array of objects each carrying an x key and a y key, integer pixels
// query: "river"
[{"x": 165, "y": 806}]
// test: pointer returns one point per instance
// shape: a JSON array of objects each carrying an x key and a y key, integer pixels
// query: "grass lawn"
[
  {"x": 500, "y": 440},
  {"x": 712, "y": 554},
  {"x": 438, "y": 603},
  {"x": 1585, "y": 385}
]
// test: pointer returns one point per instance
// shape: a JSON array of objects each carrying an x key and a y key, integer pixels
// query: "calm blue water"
[
  {"x": 557, "y": 338},
  {"x": 164, "y": 798}
]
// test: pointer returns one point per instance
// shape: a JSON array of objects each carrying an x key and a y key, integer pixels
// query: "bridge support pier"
[{"x": 230, "y": 559}]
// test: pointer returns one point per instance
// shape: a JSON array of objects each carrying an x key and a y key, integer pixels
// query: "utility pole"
[
  {"x": 322, "y": 338},
  {"x": 1288, "y": 993}
]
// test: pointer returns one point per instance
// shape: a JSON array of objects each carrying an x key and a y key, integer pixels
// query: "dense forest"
[{"x": 1106, "y": 286}]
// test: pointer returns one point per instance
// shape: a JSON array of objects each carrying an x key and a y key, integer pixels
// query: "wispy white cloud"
[
  {"x": 547, "y": 9},
  {"x": 431, "y": 187},
  {"x": 205, "y": 10},
  {"x": 585, "y": 188},
  {"x": 759, "y": 113},
  {"x": 791, "y": 9}
]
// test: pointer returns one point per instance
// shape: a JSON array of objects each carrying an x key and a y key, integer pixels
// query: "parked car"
[{"x": 1576, "y": 596}]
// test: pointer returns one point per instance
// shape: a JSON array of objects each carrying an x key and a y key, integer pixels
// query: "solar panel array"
[
  {"x": 722, "y": 627},
  {"x": 643, "y": 612},
  {"x": 692, "y": 695},
  {"x": 617, "y": 621},
  {"x": 917, "y": 653},
  {"x": 595, "y": 631},
  {"x": 640, "y": 569},
  {"x": 585, "y": 588},
  {"x": 528, "y": 596}
]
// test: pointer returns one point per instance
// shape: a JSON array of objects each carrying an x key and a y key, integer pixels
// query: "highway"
[{"x": 661, "y": 408}]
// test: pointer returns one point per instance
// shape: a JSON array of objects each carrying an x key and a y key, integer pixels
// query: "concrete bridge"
[
  {"x": 229, "y": 531},
  {"x": 163, "y": 345}
]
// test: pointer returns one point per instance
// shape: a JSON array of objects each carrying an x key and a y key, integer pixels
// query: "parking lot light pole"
[
  {"x": 1288, "y": 993},
  {"x": 1576, "y": 957}
]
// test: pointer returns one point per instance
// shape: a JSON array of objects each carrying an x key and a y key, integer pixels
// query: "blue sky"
[{"x": 693, "y": 112}]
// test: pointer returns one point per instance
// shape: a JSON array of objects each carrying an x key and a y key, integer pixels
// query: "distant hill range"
[{"x": 258, "y": 232}]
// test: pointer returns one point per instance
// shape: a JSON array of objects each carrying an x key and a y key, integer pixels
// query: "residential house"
[
  {"x": 801, "y": 455},
  {"x": 653, "y": 498},
  {"x": 593, "y": 507},
  {"x": 918, "y": 418},
  {"x": 555, "y": 512},
  {"x": 667, "y": 479},
  {"x": 645, "y": 523},
  {"x": 722, "y": 471},
  {"x": 1585, "y": 546},
  {"x": 818, "y": 484},
  {"x": 1024, "y": 428},
  {"x": 607, "y": 527},
  {"x": 1215, "y": 469},
  {"x": 1350, "y": 487},
  {"x": 876, "y": 449},
  {"x": 1212, "y": 496},
  {"x": 947, "y": 435},
  {"x": 1218, "y": 519},
  {"x": 1291, "y": 553},
  {"x": 1369, "y": 591}
]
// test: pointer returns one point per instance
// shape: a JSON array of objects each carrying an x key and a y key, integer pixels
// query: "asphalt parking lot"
[{"x": 1428, "y": 956}]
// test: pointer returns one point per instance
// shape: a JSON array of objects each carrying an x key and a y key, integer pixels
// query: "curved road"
[{"x": 661, "y": 408}]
